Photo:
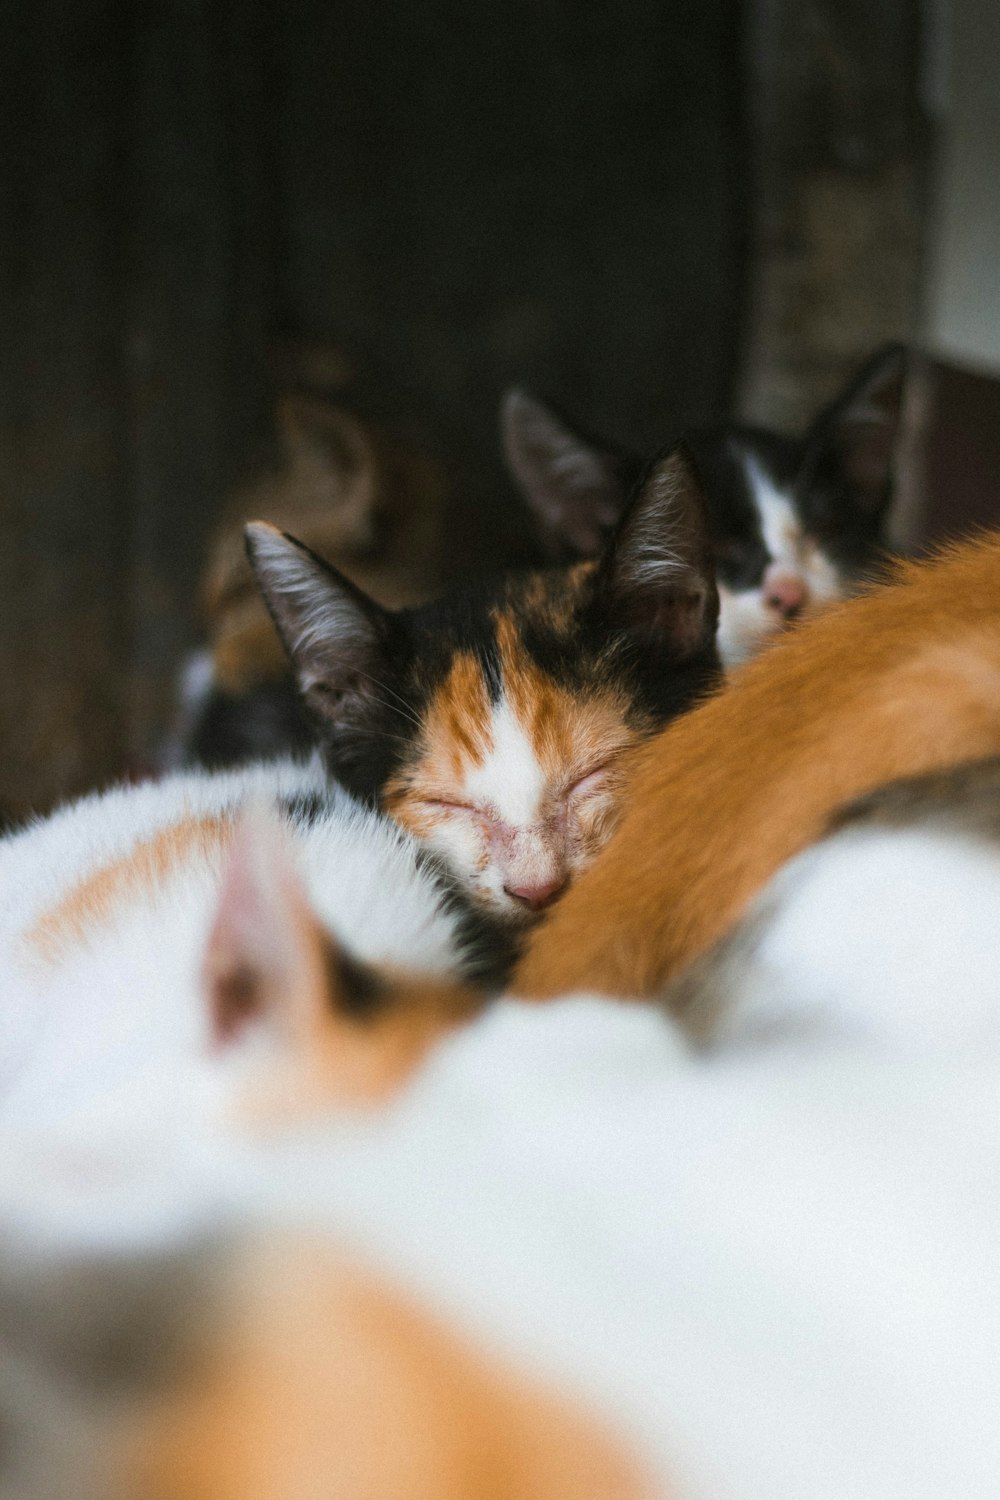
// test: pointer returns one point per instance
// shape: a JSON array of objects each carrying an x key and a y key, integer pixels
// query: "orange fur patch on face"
[
  {"x": 901, "y": 681},
  {"x": 570, "y": 733},
  {"x": 323, "y": 1381},
  {"x": 96, "y": 899},
  {"x": 456, "y": 736},
  {"x": 538, "y": 602}
]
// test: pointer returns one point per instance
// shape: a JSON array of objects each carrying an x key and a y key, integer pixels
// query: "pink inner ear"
[
  {"x": 250, "y": 963},
  {"x": 235, "y": 1003}
]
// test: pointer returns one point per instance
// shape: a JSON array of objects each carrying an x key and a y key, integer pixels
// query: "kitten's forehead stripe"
[
  {"x": 458, "y": 714},
  {"x": 510, "y": 780},
  {"x": 568, "y": 732},
  {"x": 780, "y": 526}
]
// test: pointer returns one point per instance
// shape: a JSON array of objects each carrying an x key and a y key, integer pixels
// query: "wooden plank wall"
[
  {"x": 840, "y": 155},
  {"x": 136, "y": 296},
  {"x": 453, "y": 195}
]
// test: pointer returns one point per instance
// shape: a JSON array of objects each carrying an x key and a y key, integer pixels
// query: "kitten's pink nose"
[
  {"x": 534, "y": 897},
  {"x": 784, "y": 592}
]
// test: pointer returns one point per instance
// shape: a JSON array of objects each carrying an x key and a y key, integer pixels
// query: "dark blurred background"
[{"x": 651, "y": 211}]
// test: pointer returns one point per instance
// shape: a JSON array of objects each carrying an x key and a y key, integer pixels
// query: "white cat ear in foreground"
[
  {"x": 660, "y": 560},
  {"x": 263, "y": 963},
  {"x": 330, "y": 629}
]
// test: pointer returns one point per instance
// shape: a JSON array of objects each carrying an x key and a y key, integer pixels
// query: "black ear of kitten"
[
  {"x": 844, "y": 480},
  {"x": 576, "y": 485},
  {"x": 838, "y": 477},
  {"x": 656, "y": 578},
  {"x": 341, "y": 645}
]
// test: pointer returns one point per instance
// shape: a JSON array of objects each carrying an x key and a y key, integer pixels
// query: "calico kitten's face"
[
  {"x": 794, "y": 523},
  {"x": 495, "y": 724}
]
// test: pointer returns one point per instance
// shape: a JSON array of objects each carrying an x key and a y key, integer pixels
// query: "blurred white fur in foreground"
[
  {"x": 105, "y": 1017},
  {"x": 772, "y": 1264}
]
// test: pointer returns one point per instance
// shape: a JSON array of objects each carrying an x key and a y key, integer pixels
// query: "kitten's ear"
[
  {"x": 334, "y": 634},
  {"x": 860, "y": 431},
  {"x": 312, "y": 428},
  {"x": 264, "y": 964},
  {"x": 576, "y": 488},
  {"x": 333, "y": 463},
  {"x": 657, "y": 577},
  {"x": 269, "y": 962}
]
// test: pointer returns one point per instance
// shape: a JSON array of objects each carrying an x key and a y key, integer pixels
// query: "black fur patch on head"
[
  {"x": 360, "y": 991},
  {"x": 305, "y": 809},
  {"x": 844, "y": 480},
  {"x": 263, "y": 722},
  {"x": 722, "y": 456}
]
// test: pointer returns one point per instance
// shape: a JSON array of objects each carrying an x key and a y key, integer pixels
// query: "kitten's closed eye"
[
  {"x": 591, "y": 781},
  {"x": 452, "y": 804},
  {"x": 583, "y": 786}
]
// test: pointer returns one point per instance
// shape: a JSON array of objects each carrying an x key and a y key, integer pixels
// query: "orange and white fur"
[
  {"x": 771, "y": 1269},
  {"x": 723, "y": 1264},
  {"x": 901, "y": 681},
  {"x": 766, "y": 1270},
  {"x": 119, "y": 921}
]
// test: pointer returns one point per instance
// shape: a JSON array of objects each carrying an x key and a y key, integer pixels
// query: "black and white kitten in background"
[{"x": 794, "y": 523}]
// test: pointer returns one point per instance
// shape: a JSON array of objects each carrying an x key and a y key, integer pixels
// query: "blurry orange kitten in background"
[{"x": 368, "y": 499}]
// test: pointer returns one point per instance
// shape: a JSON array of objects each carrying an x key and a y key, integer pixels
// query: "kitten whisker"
[{"x": 399, "y": 707}]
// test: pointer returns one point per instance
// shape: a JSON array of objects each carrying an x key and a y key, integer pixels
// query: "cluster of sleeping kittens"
[
  {"x": 248, "y": 1042},
  {"x": 495, "y": 723}
]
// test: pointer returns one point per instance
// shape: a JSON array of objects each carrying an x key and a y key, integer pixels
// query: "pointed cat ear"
[
  {"x": 264, "y": 963},
  {"x": 269, "y": 962},
  {"x": 657, "y": 577},
  {"x": 340, "y": 1031},
  {"x": 312, "y": 428},
  {"x": 860, "y": 431},
  {"x": 334, "y": 467},
  {"x": 334, "y": 634},
  {"x": 576, "y": 488}
]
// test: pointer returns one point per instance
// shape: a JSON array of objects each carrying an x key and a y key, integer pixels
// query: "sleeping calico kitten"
[
  {"x": 494, "y": 724},
  {"x": 794, "y": 523}
]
